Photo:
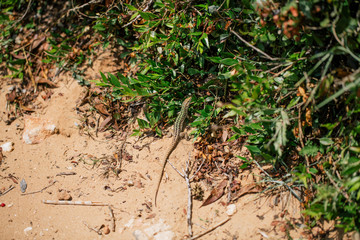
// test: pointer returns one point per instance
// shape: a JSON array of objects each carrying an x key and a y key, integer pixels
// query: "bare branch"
[{"x": 253, "y": 47}]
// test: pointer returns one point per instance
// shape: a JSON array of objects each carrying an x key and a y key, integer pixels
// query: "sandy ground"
[{"x": 130, "y": 194}]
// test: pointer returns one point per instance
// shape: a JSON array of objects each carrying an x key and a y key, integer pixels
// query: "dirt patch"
[{"x": 72, "y": 163}]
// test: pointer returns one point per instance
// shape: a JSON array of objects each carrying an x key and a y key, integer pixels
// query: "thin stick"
[
  {"x": 92, "y": 229},
  {"x": 22, "y": 17},
  {"x": 210, "y": 230},
  {"x": 112, "y": 219},
  {"x": 66, "y": 173},
  {"x": 8, "y": 190},
  {"x": 189, "y": 208},
  {"x": 198, "y": 169},
  {"x": 82, "y": 6},
  {"x": 29, "y": 71},
  {"x": 253, "y": 47},
  {"x": 76, "y": 203},
  {"x": 284, "y": 70},
  {"x": 176, "y": 169},
  {"x": 120, "y": 156},
  {"x": 229, "y": 187},
  {"x": 277, "y": 181},
  {"x": 185, "y": 175},
  {"x": 337, "y": 187},
  {"x": 301, "y": 136},
  {"x": 23, "y": 194},
  {"x": 136, "y": 18}
]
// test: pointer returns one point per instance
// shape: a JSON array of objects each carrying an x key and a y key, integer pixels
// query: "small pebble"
[
  {"x": 27, "y": 229},
  {"x": 7, "y": 147},
  {"x": 231, "y": 209},
  {"x": 23, "y": 185},
  {"x": 63, "y": 195},
  {"x": 106, "y": 230}
]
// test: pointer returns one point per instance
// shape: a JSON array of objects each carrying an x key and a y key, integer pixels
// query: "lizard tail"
[{"x": 159, "y": 181}]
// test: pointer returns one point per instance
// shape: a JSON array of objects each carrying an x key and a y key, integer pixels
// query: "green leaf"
[
  {"x": 136, "y": 133},
  {"x": 104, "y": 77},
  {"x": 193, "y": 71},
  {"x": 253, "y": 149},
  {"x": 158, "y": 131},
  {"x": 114, "y": 81},
  {"x": 214, "y": 59},
  {"x": 99, "y": 27},
  {"x": 310, "y": 150},
  {"x": 147, "y": 16},
  {"x": 195, "y": 34},
  {"x": 131, "y": 8},
  {"x": 346, "y": 88},
  {"x": 326, "y": 141},
  {"x": 229, "y": 61},
  {"x": 293, "y": 102},
  {"x": 352, "y": 167},
  {"x": 143, "y": 124},
  {"x": 206, "y": 40},
  {"x": 134, "y": 16}
]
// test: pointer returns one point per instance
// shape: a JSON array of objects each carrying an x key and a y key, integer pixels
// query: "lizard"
[{"x": 178, "y": 128}]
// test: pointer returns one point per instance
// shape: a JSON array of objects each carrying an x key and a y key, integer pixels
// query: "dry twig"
[
  {"x": 53, "y": 182},
  {"x": 210, "y": 230},
  {"x": 22, "y": 17},
  {"x": 185, "y": 175},
  {"x": 8, "y": 190},
  {"x": 76, "y": 203},
  {"x": 278, "y": 181},
  {"x": 112, "y": 219},
  {"x": 136, "y": 18},
  {"x": 253, "y": 47},
  {"x": 66, "y": 173},
  {"x": 92, "y": 229}
]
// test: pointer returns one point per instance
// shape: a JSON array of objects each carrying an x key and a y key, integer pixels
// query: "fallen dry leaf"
[
  {"x": 216, "y": 193},
  {"x": 276, "y": 222},
  {"x": 250, "y": 188},
  {"x": 48, "y": 82},
  {"x": 47, "y": 95},
  {"x": 18, "y": 56},
  {"x": 13, "y": 178},
  {"x": 224, "y": 136},
  {"x": 102, "y": 109},
  {"x": 105, "y": 122},
  {"x": 10, "y": 97},
  {"x": 36, "y": 42},
  {"x": 26, "y": 109},
  {"x": 301, "y": 92},
  {"x": 153, "y": 215}
]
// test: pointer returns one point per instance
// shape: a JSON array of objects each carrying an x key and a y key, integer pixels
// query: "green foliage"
[{"x": 288, "y": 70}]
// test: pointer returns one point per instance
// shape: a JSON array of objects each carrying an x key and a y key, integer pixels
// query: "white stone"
[
  {"x": 130, "y": 223},
  {"x": 139, "y": 235},
  {"x": 27, "y": 229},
  {"x": 157, "y": 228},
  {"x": 7, "y": 147},
  {"x": 167, "y": 235},
  {"x": 37, "y": 129},
  {"x": 231, "y": 209}
]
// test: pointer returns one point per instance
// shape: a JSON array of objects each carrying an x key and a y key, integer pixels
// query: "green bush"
[{"x": 288, "y": 69}]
